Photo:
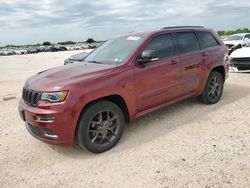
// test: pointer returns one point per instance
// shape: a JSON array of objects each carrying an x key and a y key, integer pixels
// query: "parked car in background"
[
  {"x": 8, "y": 52},
  {"x": 125, "y": 78},
  {"x": 237, "y": 41},
  {"x": 240, "y": 58},
  {"x": 60, "y": 48},
  {"x": 84, "y": 46},
  {"x": 92, "y": 46},
  {"x": 76, "y": 58},
  {"x": 41, "y": 48},
  {"x": 32, "y": 51},
  {"x": 51, "y": 49},
  {"x": 20, "y": 51}
]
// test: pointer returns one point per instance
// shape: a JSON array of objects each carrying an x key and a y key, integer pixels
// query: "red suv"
[{"x": 126, "y": 77}]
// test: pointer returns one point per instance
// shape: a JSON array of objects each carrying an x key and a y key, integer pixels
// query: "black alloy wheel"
[
  {"x": 100, "y": 126},
  {"x": 103, "y": 128},
  {"x": 213, "y": 89}
]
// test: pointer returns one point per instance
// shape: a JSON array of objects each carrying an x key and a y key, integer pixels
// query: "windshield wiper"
[{"x": 97, "y": 62}]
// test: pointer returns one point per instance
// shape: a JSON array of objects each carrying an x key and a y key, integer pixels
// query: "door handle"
[{"x": 204, "y": 54}]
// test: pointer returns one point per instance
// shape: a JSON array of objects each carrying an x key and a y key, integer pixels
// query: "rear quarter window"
[
  {"x": 186, "y": 42},
  {"x": 206, "y": 40}
]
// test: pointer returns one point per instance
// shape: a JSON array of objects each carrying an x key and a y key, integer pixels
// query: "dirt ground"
[{"x": 185, "y": 145}]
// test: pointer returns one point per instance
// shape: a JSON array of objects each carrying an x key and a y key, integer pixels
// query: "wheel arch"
[
  {"x": 220, "y": 69},
  {"x": 117, "y": 99}
]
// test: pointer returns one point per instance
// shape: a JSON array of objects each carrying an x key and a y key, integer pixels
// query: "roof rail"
[{"x": 179, "y": 27}]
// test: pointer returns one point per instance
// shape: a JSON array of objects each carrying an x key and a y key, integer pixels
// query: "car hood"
[
  {"x": 234, "y": 42},
  {"x": 242, "y": 52},
  {"x": 63, "y": 77}
]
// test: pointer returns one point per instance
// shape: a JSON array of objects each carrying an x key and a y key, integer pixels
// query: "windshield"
[
  {"x": 114, "y": 51},
  {"x": 234, "y": 37}
]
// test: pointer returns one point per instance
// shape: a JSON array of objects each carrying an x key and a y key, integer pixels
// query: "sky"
[{"x": 31, "y": 22}]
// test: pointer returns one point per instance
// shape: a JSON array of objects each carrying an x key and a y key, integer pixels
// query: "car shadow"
[{"x": 161, "y": 122}]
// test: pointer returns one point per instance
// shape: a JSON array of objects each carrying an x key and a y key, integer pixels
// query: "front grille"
[
  {"x": 242, "y": 59},
  {"x": 31, "y": 97}
]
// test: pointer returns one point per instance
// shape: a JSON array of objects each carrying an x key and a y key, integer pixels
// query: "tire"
[
  {"x": 238, "y": 46},
  {"x": 213, "y": 89},
  {"x": 100, "y": 126}
]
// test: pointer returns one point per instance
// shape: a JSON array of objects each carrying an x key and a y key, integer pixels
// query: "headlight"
[{"x": 54, "y": 96}]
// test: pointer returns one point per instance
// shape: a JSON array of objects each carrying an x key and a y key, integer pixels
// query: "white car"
[
  {"x": 8, "y": 52},
  {"x": 236, "y": 41},
  {"x": 240, "y": 58},
  {"x": 20, "y": 51}
]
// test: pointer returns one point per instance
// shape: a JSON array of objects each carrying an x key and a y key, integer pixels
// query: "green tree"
[
  {"x": 46, "y": 43},
  {"x": 66, "y": 43},
  {"x": 236, "y": 31},
  {"x": 10, "y": 46},
  {"x": 90, "y": 40}
]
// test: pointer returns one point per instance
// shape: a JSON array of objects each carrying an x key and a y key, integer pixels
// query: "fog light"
[
  {"x": 45, "y": 119},
  {"x": 49, "y": 133}
]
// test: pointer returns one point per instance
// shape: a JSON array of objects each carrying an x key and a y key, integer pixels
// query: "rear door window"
[
  {"x": 206, "y": 40},
  {"x": 186, "y": 42}
]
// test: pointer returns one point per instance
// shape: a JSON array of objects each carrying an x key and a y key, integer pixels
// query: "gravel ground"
[{"x": 185, "y": 145}]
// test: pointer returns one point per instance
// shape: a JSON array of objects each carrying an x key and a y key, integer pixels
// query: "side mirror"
[{"x": 147, "y": 56}]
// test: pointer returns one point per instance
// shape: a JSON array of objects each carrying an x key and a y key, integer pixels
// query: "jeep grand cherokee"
[{"x": 128, "y": 76}]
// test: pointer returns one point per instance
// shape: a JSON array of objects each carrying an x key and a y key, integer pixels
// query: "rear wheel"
[
  {"x": 213, "y": 89},
  {"x": 100, "y": 127}
]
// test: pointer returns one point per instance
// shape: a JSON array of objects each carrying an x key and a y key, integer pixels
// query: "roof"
[
  {"x": 146, "y": 33},
  {"x": 184, "y": 27}
]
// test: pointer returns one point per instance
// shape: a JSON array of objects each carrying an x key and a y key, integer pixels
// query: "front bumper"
[
  {"x": 232, "y": 47},
  {"x": 240, "y": 63},
  {"x": 51, "y": 123}
]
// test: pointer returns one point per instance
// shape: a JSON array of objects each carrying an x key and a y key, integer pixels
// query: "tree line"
[
  {"x": 231, "y": 32},
  {"x": 89, "y": 40},
  {"x": 47, "y": 43}
]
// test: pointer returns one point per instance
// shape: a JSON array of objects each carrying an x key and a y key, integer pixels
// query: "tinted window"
[
  {"x": 247, "y": 36},
  {"x": 186, "y": 42},
  {"x": 206, "y": 40},
  {"x": 162, "y": 45},
  {"x": 234, "y": 37}
]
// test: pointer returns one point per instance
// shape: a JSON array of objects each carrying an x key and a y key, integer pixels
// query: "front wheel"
[
  {"x": 213, "y": 89},
  {"x": 100, "y": 127}
]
